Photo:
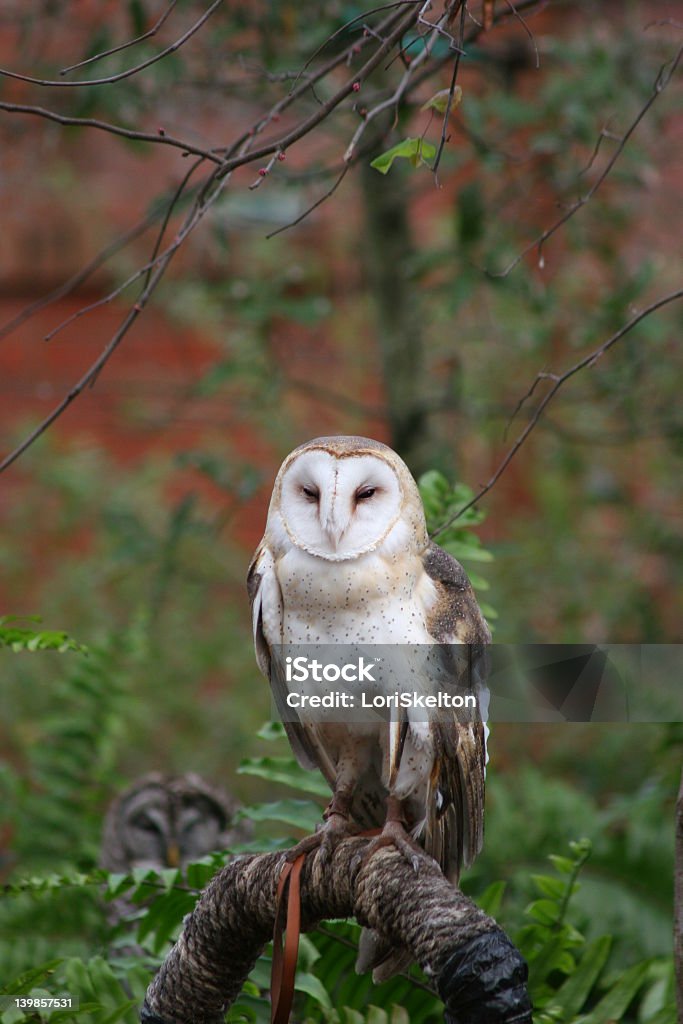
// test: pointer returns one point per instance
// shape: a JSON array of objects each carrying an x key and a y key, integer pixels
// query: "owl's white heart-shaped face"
[{"x": 339, "y": 507}]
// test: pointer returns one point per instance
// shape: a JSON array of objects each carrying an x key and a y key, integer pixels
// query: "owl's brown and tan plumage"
[{"x": 346, "y": 559}]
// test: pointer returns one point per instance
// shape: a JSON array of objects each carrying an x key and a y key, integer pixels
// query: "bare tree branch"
[
  {"x": 122, "y": 74},
  {"x": 455, "y": 943},
  {"x": 353, "y": 21},
  {"x": 666, "y": 73},
  {"x": 500, "y": 17},
  {"x": 310, "y": 81},
  {"x": 313, "y": 206},
  {"x": 160, "y": 138},
  {"x": 402, "y": 87},
  {"x": 123, "y": 46},
  {"x": 389, "y": 34},
  {"x": 315, "y": 119},
  {"x": 143, "y": 271},
  {"x": 78, "y": 278},
  {"x": 558, "y": 381},
  {"x": 240, "y": 153},
  {"x": 451, "y": 91},
  {"x": 528, "y": 31},
  {"x": 205, "y": 199}
]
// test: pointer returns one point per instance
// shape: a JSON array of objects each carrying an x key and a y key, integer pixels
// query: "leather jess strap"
[
  {"x": 284, "y": 961},
  {"x": 283, "y": 970}
]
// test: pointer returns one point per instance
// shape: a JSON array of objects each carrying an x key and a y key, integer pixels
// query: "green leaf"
[
  {"x": 563, "y": 864},
  {"x": 660, "y": 993},
  {"x": 667, "y": 1015},
  {"x": 399, "y": 1015},
  {"x": 620, "y": 996},
  {"x": 286, "y": 771},
  {"x": 272, "y": 731},
  {"x": 169, "y": 877},
  {"x": 576, "y": 989},
  {"x": 29, "y": 978},
  {"x": 141, "y": 875},
  {"x": 352, "y": 1016},
  {"x": 21, "y": 638},
  {"x": 543, "y": 911},
  {"x": 215, "y": 377},
  {"x": 478, "y": 582},
  {"x": 414, "y": 149},
  {"x": 165, "y": 916},
  {"x": 466, "y": 551},
  {"x": 200, "y": 872},
  {"x": 118, "y": 1014},
  {"x": 313, "y": 987},
  {"x": 439, "y": 101},
  {"x": 549, "y": 886},
  {"x": 492, "y": 897},
  {"x": 552, "y": 956},
  {"x": 309, "y": 953},
  {"x": 118, "y": 883},
  {"x": 302, "y": 814},
  {"x": 581, "y": 848},
  {"x": 13, "y": 1015}
]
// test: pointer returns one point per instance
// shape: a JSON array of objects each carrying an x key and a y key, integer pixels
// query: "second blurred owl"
[{"x": 162, "y": 821}]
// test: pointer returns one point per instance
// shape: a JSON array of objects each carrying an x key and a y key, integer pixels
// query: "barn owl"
[{"x": 346, "y": 559}]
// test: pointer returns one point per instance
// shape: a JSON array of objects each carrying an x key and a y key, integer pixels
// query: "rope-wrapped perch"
[{"x": 474, "y": 967}]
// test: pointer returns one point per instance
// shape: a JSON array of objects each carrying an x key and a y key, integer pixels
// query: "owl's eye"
[
  {"x": 312, "y": 493},
  {"x": 144, "y": 822},
  {"x": 365, "y": 493}
]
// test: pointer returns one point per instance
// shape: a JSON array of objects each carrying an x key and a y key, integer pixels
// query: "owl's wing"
[
  {"x": 454, "y": 829},
  {"x": 265, "y": 597}
]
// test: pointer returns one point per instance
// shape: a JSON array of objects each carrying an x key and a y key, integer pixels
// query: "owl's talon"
[
  {"x": 307, "y": 845},
  {"x": 327, "y": 836},
  {"x": 394, "y": 834}
]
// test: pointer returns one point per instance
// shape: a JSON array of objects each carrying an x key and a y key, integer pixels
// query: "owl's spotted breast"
[{"x": 370, "y": 600}]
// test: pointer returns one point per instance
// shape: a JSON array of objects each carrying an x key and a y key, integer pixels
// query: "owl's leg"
[
  {"x": 395, "y": 833},
  {"x": 337, "y": 824}
]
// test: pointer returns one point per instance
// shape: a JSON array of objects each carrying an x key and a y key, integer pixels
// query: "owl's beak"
[
  {"x": 334, "y": 533},
  {"x": 172, "y": 855},
  {"x": 334, "y": 530}
]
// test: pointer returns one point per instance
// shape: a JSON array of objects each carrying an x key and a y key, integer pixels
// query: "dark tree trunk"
[{"x": 388, "y": 252}]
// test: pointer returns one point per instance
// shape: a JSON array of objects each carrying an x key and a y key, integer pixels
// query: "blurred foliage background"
[{"x": 131, "y": 522}]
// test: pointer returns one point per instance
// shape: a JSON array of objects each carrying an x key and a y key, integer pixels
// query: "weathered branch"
[{"x": 473, "y": 965}]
